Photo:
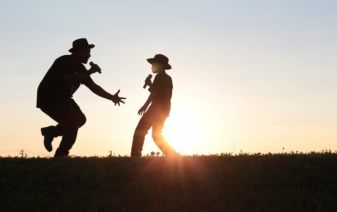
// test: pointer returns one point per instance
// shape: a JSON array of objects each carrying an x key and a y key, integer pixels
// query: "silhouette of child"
[{"x": 159, "y": 110}]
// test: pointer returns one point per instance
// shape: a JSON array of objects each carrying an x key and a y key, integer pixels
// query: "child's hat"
[{"x": 162, "y": 59}]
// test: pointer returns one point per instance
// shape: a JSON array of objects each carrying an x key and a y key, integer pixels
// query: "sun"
[{"x": 183, "y": 133}]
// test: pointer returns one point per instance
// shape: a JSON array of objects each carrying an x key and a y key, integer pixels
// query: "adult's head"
[
  {"x": 159, "y": 63},
  {"x": 81, "y": 50}
]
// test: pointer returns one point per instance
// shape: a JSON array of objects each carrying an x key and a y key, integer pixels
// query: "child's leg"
[
  {"x": 142, "y": 128},
  {"x": 159, "y": 139}
]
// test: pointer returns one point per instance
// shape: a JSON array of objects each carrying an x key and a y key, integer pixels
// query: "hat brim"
[
  {"x": 152, "y": 60},
  {"x": 82, "y": 47}
]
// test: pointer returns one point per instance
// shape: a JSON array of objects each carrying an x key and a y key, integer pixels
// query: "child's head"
[
  {"x": 157, "y": 67},
  {"x": 159, "y": 63}
]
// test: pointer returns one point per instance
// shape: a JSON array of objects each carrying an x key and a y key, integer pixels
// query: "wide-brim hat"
[
  {"x": 80, "y": 44},
  {"x": 162, "y": 59}
]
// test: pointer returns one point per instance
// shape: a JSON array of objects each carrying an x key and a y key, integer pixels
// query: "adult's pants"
[{"x": 70, "y": 118}]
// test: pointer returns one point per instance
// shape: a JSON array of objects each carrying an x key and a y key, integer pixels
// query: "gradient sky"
[{"x": 260, "y": 74}]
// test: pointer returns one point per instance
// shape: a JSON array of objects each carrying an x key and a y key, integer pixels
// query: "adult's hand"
[
  {"x": 116, "y": 99},
  {"x": 94, "y": 68},
  {"x": 142, "y": 110}
]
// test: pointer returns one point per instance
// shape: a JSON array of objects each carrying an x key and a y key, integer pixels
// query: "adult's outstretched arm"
[{"x": 99, "y": 91}]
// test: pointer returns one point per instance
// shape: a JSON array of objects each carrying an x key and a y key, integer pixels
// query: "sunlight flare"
[{"x": 183, "y": 132}]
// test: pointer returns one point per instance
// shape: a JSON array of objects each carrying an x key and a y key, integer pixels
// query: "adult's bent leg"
[
  {"x": 68, "y": 140},
  {"x": 69, "y": 117},
  {"x": 50, "y": 132},
  {"x": 74, "y": 120}
]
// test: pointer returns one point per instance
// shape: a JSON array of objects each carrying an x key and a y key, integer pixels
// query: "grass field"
[{"x": 270, "y": 182}]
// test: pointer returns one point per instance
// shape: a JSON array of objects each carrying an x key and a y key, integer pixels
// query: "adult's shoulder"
[{"x": 64, "y": 59}]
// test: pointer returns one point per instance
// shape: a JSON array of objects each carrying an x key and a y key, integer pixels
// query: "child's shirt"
[{"x": 162, "y": 86}]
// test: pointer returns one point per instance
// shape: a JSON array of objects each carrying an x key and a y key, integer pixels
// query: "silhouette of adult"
[
  {"x": 155, "y": 116},
  {"x": 54, "y": 95}
]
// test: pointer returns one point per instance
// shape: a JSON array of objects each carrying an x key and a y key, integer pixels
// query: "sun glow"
[{"x": 183, "y": 133}]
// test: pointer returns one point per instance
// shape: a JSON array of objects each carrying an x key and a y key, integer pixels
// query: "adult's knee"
[
  {"x": 75, "y": 122},
  {"x": 82, "y": 120}
]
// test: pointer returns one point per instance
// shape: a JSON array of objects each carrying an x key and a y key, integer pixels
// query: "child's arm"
[
  {"x": 143, "y": 109},
  {"x": 147, "y": 103}
]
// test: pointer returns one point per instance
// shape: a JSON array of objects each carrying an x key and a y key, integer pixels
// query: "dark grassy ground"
[{"x": 278, "y": 182}]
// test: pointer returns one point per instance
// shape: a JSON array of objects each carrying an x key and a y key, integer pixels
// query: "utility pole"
[
  {"x": 234, "y": 145},
  {"x": 21, "y": 153}
]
